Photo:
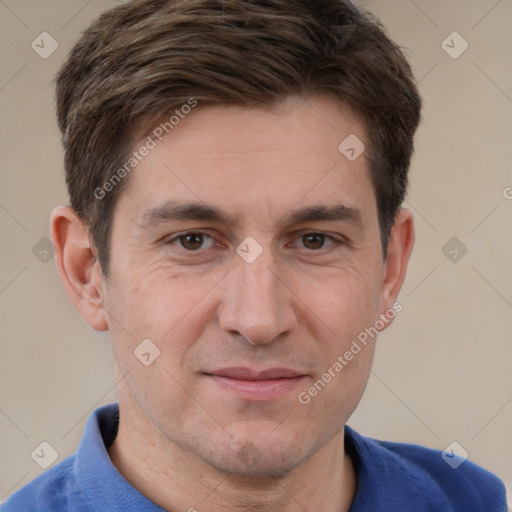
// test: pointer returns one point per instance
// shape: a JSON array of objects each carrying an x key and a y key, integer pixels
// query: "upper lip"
[{"x": 241, "y": 373}]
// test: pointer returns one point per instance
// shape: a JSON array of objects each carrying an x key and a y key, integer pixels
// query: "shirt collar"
[{"x": 94, "y": 470}]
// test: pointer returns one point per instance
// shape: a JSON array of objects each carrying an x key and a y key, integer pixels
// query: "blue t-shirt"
[{"x": 392, "y": 477}]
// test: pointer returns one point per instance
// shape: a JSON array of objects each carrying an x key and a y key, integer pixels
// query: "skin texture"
[{"x": 185, "y": 440}]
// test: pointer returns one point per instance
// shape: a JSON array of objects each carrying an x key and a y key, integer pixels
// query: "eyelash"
[{"x": 177, "y": 237}]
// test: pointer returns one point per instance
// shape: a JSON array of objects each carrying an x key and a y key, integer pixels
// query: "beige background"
[{"x": 442, "y": 370}]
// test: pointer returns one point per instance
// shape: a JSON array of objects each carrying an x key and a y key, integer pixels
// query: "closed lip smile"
[{"x": 257, "y": 385}]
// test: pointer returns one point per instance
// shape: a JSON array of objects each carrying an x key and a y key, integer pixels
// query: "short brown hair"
[{"x": 149, "y": 57}]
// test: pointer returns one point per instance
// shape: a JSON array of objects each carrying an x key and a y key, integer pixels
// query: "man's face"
[{"x": 221, "y": 317}]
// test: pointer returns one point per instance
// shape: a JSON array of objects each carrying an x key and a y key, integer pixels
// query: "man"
[{"x": 235, "y": 171}]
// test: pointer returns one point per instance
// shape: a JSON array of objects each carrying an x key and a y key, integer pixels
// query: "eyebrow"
[{"x": 178, "y": 211}]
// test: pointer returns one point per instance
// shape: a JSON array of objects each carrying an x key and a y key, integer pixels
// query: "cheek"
[
  {"x": 158, "y": 304},
  {"x": 346, "y": 299},
  {"x": 151, "y": 314},
  {"x": 153, "y": 298}
]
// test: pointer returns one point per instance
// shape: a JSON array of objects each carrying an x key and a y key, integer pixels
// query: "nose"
[{"x": 257, "y": 301}]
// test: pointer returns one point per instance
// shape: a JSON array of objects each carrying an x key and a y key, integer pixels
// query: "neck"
[{"x": 176, "y": 479}]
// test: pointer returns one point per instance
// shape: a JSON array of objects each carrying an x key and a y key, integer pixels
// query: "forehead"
[{"x": 260, "y": 160}]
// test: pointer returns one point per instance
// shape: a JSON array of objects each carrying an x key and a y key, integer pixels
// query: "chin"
[
  {"x": 266, "y": 467},
  {"x": 261, "y": 458}
]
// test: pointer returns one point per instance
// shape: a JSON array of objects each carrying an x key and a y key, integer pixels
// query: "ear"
[
  {"x": 400, "y": 245},
  {"x": 78, "y": 266}
]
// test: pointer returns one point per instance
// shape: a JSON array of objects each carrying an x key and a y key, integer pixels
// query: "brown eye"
[
  {"x": 191, "y": 241},
  {"x": 313, "y": 240}
]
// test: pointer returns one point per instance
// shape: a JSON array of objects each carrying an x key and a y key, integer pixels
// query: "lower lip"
[{"x": 259, "y": 390}]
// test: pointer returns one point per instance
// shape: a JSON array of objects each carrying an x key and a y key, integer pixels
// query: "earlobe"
[
  {"x": 401, "y": 243},
  {"x": 78, "y": 266}
]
